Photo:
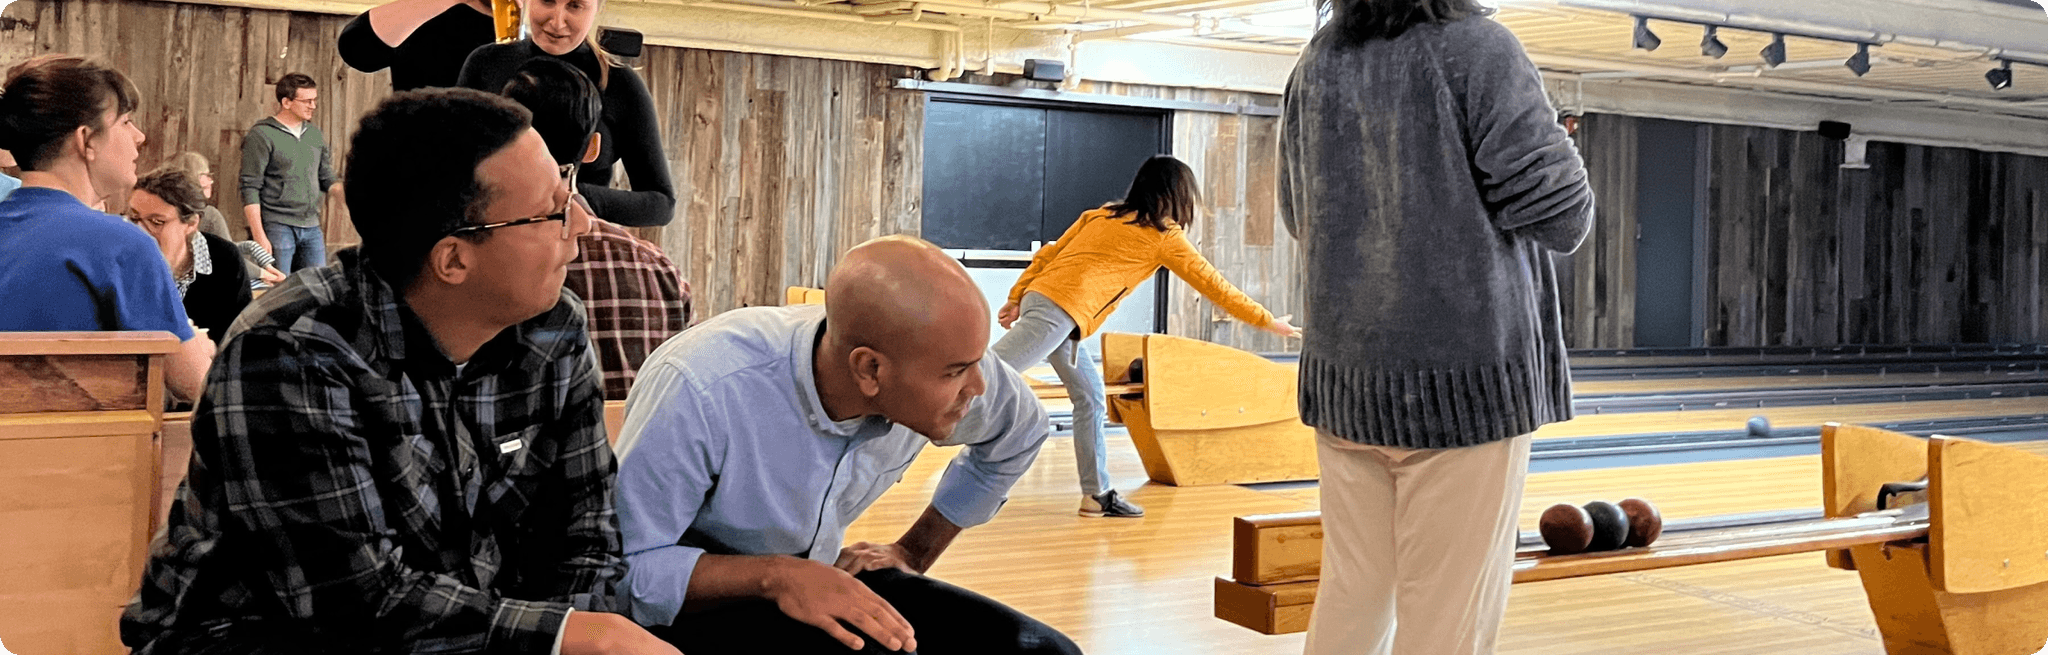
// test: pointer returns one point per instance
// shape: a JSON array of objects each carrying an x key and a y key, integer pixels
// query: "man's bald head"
[
  {"x": 895, "y": 291},
  {"x": 911, "y": 330}
]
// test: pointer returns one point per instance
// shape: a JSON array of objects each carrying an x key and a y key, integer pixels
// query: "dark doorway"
[
  {"x": 1669, "y": 218},
  {"x": 1002, "y": 176}
]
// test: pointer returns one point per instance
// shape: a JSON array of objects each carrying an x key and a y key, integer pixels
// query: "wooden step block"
[
  {"x": 1269, "y": 549},
  {"x": 1275, "y": 609}
]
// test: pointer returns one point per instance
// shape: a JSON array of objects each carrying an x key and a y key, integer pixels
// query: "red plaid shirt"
[{"x": 635, "y": 296}]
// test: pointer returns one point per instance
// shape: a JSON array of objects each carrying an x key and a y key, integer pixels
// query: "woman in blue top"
[{"x": 63, "y": 266}]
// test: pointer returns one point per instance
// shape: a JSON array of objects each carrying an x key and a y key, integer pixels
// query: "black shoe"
[{"x": 1110, "y": 503}]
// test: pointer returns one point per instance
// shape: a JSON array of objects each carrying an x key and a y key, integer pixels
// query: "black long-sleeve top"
[
  {"x": 629, "y": 132},
  {"x": 431, "y": 56},
  {"x": 215, "y": 299}
]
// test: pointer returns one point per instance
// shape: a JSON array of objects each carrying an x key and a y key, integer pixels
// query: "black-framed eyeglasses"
[{"x": 568, "y": 180}]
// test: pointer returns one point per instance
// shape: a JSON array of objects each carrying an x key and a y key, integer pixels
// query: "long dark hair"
[
  {"x": 46, "y": 98},
  {"x": 1365, "y": 20},
  {"x": 1162, "y": 195}
]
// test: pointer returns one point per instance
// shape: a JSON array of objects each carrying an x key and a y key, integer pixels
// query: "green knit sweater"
[{"x": 287, "y": 175}]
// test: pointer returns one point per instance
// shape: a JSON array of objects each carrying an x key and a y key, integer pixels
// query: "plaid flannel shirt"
[
  {"x": 350, "y": 491},
  {"x": 636, "y": 297}
]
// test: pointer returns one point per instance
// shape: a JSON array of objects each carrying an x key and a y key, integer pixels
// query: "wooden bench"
[
  {"x": 1208, "y": 414},
  {"x": 78, "y": 481},
  {"x": 1964, "y": 573}
]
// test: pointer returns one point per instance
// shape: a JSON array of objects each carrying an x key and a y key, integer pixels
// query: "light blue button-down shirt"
[{"x": 727, "y": 450}]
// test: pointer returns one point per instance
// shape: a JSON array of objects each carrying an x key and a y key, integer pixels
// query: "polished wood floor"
[{"x": 1142, "y": 586}]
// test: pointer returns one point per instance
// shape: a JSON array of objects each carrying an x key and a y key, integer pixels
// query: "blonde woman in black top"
[{"x": 629, "y": 133}]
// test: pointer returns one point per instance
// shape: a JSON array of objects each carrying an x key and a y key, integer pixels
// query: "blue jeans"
[
  {"x": 296, "y": 248},
  {"x": 1043, "y": 332}
]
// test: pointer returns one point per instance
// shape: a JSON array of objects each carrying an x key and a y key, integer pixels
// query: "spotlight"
[
  {"x": 1859, "y": 63},
  {"x": 1645, "y": 39},
  {"x": 2000, "y": 77},
  {"x": 1774, "y": 54},
  {"x": 1711, "y": 45}
]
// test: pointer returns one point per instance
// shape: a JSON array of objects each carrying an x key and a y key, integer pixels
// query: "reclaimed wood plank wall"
[
  {"x": 1928, "y": 245},
  {"x": 1596, "y": 284},
  {"x": 781, "y": 163},
  {"x": 205, "y": 73}
]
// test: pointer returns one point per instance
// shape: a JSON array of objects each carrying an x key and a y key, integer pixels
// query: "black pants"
[{"x": 948, "y": 620}]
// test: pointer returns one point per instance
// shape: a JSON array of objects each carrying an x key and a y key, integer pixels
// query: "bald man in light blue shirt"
[{"x": 752, "y": 440}]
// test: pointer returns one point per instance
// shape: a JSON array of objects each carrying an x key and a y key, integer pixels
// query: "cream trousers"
[{"x": 1418, "y": 547}]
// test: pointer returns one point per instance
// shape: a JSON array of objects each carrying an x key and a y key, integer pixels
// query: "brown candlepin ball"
[
  {"x": 1645, "y": 523},
  {"x": 1566, "y": 529},
  {"x": 1610, "y": 526}
]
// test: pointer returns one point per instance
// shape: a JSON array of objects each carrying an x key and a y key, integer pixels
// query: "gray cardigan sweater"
[{"x": 1430, "y": 183}]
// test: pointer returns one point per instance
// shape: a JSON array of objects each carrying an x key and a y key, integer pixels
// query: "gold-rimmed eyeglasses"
[{"x": 562, "y": 214}]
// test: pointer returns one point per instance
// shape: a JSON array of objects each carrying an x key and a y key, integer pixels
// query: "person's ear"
[
  {"x": 590, "y": 153},
  {"x": 81, "y": 140},
  {"x": 449, "y": 261},
  {"x": 867, "y": 365}
]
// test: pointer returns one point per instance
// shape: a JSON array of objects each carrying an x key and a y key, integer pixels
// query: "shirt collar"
[
  {"x": 803, "y": 347},
  {"x": 202, "y": 263}
]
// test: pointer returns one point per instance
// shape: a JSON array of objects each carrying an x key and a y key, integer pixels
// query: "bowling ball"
[
  {"x": 1645, "y": 523},
  {"x": 1566, "y": 529},
  {"x": 1610, "y": 525},
  {"x": 1759, "y": 426}
]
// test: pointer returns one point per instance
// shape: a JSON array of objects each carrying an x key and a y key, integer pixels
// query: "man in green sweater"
[{"x": 285, "y": 175}]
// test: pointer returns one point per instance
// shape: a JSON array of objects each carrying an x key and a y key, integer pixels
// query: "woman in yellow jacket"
[{"x": 1077, "y": 281}]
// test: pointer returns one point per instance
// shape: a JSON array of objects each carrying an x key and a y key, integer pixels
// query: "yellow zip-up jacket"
[{"x": 1102, "y": 257}]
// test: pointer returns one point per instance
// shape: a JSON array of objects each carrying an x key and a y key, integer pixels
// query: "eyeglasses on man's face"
[{"x": 560, "y": 214}]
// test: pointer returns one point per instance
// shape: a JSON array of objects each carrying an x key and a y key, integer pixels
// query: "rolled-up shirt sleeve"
[
  {"x": 668, "y": 459},
  {"x": 1002, "y": 431}
]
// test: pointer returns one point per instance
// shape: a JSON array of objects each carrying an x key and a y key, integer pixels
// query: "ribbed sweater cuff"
[{"x": 1431, "y": 408}]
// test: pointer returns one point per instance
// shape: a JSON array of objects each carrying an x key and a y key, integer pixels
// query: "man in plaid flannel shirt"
[
  {"x": 404, "y": 452},
  {"x": 636, "y": 297}
]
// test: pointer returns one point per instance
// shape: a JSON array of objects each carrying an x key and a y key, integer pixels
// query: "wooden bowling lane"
[
  {"x": 1143, "y": 586},
  {"x": 1584, "y": 389},
  {"x": 1684, "y": 385},
  {"x": 1701, "y": 420}
]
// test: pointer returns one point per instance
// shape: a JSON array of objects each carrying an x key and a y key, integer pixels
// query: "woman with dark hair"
[
  {"x": 63, "y": 267},
  {"x": 1425, "y": 174},
  {"x": 567, "y": 30},
  {"x": 257, "y": 262},
  {"x": 208, "y": 269},
  {"x": 1073, "y": 283}
]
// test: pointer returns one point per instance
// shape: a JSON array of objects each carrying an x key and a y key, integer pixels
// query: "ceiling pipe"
[
  {"x": 1056, "y": 12},
  {"x": 778, "y": 8},
  {"x": 1121, "y": 32}
]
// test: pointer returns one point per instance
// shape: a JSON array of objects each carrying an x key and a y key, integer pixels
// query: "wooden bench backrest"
[
  {"x": 803, "y": 296},
  {"x": 78, "y": 482}
]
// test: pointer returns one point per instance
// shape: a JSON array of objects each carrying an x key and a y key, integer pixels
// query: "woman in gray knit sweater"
[{"x": 1425, "y": 173}]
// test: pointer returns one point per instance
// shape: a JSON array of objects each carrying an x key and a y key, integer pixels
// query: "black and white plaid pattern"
[{"x": 350, "y": 492}]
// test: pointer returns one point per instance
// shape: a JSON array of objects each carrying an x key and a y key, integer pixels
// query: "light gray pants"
[{"x": 1042, "y": 333}]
